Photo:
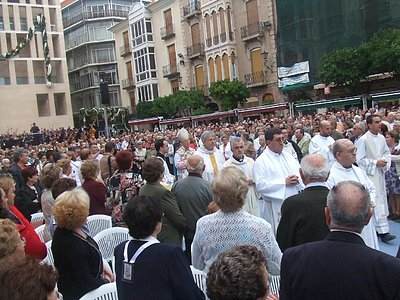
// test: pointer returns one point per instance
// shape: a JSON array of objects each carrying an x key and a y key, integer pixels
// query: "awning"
[
  {"x": 330, "y": 103},
  {"x": 253, "y": 111},
  {"x": 143, "y": 121},
  {"x": 386, "y": 96},
  {"x": 297, "y": 86},
  {"x": 175, "y": 121},
  {"x": 213, "y": 116}
]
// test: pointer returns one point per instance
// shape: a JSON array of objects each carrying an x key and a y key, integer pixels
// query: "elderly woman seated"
[
  {"x": 76, "y": 255},
  {"x": 235, "y": 226},
  {"x": 11, "y": 242},
  {"x": 146, "y": 268},
  {"x": 97, "y": 191},
  {"x": 239, "y": 273}
]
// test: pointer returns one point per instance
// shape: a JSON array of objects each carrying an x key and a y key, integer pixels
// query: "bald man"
[
  {"x": 321, "y": 143},
  {"x": 341, "y": 266},
  {"x": 193, "y": 194}
]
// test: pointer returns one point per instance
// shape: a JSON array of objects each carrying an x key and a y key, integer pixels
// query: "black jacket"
[{"x": 27, "y": 201}]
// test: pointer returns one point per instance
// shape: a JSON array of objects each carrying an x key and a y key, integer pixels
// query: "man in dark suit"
[
  {"x": 302, "y": 215},
  {"x": 341, "y": 266}
]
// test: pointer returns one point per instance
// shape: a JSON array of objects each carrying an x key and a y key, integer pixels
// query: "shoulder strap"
[{"x": 109, "y": 165}]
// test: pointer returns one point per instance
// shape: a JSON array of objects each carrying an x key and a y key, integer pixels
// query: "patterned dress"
[{"x": 392, "y": 177}]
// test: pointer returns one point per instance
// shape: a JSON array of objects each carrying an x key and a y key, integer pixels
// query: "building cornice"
[{"x": 160, "y": 5}]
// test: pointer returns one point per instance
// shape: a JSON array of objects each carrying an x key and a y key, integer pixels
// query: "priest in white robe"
[
  {"x": 373, "y": 156},
  {"x": 344, "y": 169},
  {"x": 321, "y": 143},
  {"x": 277, "y": 177},
  {"x": 245, "y": 164},
  {"x": 213, "y": 158}
]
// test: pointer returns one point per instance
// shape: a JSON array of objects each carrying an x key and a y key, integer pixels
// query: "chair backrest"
[
  {"x": 36, "y": 217},
  {"x": 98, "y": 223},
  {"x": 49, "y": 260},
  {"x": 274, "y": 284},
  {"x": 199, "y": 278},
  {"x": 40, "y": 232},
  {"x": 107, "y": 291},
  {"x": 110, "y": 238}
]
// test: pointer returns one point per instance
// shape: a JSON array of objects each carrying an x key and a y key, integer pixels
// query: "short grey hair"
[
  {"x": 196, "y": 168},
  {"x": 18, "y": 154},
  {"x": 314, "y": 166},
  {"x": 234, "y": 139},
  {"x": 349, "y": 204},
  {"x": 337, "y": 146},
  {"x": 206, "y": 135}
]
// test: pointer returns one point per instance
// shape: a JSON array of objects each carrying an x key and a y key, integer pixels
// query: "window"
[
  {"x": 23, "y": 24},
  {"x": 12, "y": 25},
  {"x": 1, "y": 23},
  {"x": 43, "y": 105},
  {"x": 60, "y": 104}
]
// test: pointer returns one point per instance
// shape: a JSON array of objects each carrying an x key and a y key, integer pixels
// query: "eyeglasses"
[{"x": 351, "y": 150}]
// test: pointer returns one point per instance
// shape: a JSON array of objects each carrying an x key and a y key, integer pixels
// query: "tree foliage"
[
  {"x": 182, "y": 103},
  {"x": 229, "y": 93},
  {"x": 348, "y": 66}
]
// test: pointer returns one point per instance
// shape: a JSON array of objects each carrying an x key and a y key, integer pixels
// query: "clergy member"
[
  {"x": 277, "y": 177},
  {"x": 373, "y": 156},
  {"x": 212, "y": 156}
]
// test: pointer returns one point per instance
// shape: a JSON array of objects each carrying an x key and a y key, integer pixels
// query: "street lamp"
[{"x": 265, "y": 58}]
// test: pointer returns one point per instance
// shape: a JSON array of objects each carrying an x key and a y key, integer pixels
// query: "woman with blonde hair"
[
  {"x": 10, "y": 240},
  {"x": 235, "y": 226},
  {"x": 34, "y": 245},
  {"x": 76, "y": 255},
  {"x": 97, "y": 191}
]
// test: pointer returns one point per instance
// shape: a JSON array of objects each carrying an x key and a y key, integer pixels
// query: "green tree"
[
  {"x": 144, "y": 109},
  {"x": 230, "y": 93},
  {"x": 165, "y": 106},
  {"x": 187, "y": 101}
]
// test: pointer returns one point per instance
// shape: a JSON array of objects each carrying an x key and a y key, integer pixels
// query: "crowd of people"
[{"x": 241, "y": 201}]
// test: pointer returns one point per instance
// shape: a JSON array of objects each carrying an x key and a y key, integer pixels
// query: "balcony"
[
  {"x": 94, "y": 15},
  {"x": 170, "y": 71},
  {"x": 167, "y": 32},
  {"x": 128, "y": 83},
  {"x": 256, "y": 79},
  {"x": 125, "y": 50},
  {"x": 195, "y": 50},
  {"x": 91, "y": 36},
  {"x": 251, "y": 31},
  {"x": 191, "y": 10}
]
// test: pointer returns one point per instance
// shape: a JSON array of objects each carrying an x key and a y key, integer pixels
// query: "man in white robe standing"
[
  {"x": 245, "y": 164},
  {"x": 212, "y": 156},
  {"x": 321, "y": 142},
  {"x": 373, "y": 156},
  {"x": 277, "y": 177},
  {"x": 344, "y": 169}
]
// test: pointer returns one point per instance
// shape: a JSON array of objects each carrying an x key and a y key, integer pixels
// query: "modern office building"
[
  {"x": 90, "y": 49},
  {"x": 28, "y": 94}
]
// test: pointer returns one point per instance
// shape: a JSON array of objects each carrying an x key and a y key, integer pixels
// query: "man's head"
[
  {"x": 239, "y": 273},
  {"x": 94, "y": 148},
  {"x": 109, "y": 147},
  {"x": 237, "y": 147},
  {"x": 21, "y": 156},
  {"x": 358, "y": 129},
  {"x": 209, "y": 140},
  {"x": 374, "y": 123},
  {"x": 195, "y": 164},
  {"x": 262, "y": 141},
  {"x": 161, "y": 146},
  {"x": 299, "y": 133},
  {"x": 348, "y": 207},
  {"x": 274, "y": 138},
  {"x": 314, "y": 168},
  {"x": 325, "y": 128},
  {"x": 345, "y": 152}
]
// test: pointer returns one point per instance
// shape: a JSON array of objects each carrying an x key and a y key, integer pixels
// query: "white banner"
[
  {"x": 296, "y": 69},
  {"x": 293, "y": 80}
]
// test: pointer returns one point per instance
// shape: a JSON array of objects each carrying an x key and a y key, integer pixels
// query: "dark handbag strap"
[{"x": 109, "y": 165}]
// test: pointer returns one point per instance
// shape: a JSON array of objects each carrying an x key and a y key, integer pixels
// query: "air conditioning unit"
[{"x": 266, "y": 25}]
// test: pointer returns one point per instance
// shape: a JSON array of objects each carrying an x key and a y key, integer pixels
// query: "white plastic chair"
[
  {"x": 49, "y": 259},
  {"x": 199, "y": 278},
  {"x": 274, "y": 284},
  {"x": 107, "y": 291},
  {"x": 40, "y": 232},
  {"x": 98, "y": 223},
  {"x": 110, "y": 238},
  {"x": 36, "y": 217}
]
